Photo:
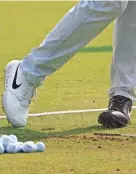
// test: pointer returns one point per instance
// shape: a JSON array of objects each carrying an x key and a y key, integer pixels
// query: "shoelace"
[
  {"x": 29, "y": 91},
  {"x": 118, "y": 103}
]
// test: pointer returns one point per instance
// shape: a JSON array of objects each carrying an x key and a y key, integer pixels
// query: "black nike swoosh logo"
[{"x": 14, "y": 84}]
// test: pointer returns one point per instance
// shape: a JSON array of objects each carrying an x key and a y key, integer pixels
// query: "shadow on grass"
[{"x": 25, "y": 134}]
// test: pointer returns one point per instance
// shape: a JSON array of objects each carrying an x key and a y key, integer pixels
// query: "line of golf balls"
[{"x": 10, "y": 144}]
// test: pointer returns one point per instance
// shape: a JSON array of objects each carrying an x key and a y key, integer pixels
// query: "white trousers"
[{"x": 79, "y": 26}]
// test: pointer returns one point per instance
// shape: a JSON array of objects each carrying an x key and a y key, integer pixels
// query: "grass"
[
  {"x": 71, "y": 147},
  {"x": 82, "y": 83}
]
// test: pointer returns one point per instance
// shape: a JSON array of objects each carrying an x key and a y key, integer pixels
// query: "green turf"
[{"x": 81, "y": 84}]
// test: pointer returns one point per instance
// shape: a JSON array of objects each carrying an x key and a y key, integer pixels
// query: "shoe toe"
[
  {"x": 17, "y": 119},
  {"x": 113, "y": 119},
  {"x": 16, "y": 114}
]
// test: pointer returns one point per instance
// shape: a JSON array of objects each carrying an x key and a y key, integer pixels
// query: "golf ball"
[
  {"x": 33, "y": 144},
  {"x": 3, "y": 136},
  {"x": 40, "y": 147},
  {"x": 14, "y": 138},
  {"x": 1, "y": 140},
  {"x": 28, "y": 147},
  {"x": 6, "y": 141},
  {"x": 1, "y": 149},
  {"x": 12, "y": 148},
  {"x": 20, "y": 146}
]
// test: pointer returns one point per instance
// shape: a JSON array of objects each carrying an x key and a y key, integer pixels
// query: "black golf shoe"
[{"x": 118, "y": 113}]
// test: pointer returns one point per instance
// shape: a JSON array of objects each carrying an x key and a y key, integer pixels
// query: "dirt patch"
[
  {"x": 99, "y": 147},
  {"x": 46, "y": 129},
  {"x": 93, "y": 138}
]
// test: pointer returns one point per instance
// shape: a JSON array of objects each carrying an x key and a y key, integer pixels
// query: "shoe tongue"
[{"x": 28, "y": 92}]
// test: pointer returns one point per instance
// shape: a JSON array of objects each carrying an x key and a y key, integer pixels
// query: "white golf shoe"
[{"x": 17, "y": 95}]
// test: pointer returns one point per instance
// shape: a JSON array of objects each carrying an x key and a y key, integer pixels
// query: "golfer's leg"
[
  {"x": 79, "y": 26},
  {"x": 123, "y": 69}
]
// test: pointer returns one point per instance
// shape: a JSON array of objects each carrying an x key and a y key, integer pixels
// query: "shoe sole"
[{"x": 109, "y": 120}]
